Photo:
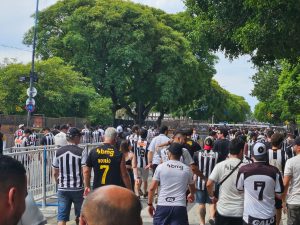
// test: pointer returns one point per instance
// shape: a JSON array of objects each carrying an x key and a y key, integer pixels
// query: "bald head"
[{"x": 109, "y": 205}]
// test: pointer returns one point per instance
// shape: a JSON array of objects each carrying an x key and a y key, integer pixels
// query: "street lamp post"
[{"x": 32, "y": 74}]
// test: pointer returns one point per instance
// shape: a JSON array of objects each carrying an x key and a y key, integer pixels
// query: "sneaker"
[
  {"x": 211, "y": 222},
  {"x": 141, "y": 193}
]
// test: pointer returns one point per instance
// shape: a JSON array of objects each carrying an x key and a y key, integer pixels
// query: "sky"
[{"x": 15, "y": 20}]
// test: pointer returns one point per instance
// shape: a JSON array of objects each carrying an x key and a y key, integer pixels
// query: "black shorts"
[
  {"x": 227, "y": 220},
  {"x": 171, "y": 215},
  {"x": 278, "y": 203},
  {"x": 154, "y": 166}
]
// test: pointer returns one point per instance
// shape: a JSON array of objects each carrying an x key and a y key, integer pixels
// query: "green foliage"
[
  {"x": 61, "y": 90},
  {"x": 219, "y": 103},
  {"x": 278, "y": 88},
  {"x": 268, "y": 30},
  {"x": 100, "y": 111},
  {"x": 134, "y": 54}
]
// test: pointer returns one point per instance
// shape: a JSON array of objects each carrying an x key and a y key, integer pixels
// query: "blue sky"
[{"x": 15, "y": 20}]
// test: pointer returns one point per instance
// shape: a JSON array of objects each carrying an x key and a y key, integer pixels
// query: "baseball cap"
[
  {"x": 297, "y": 141},
  {"x": 73, "y": 132},
  {"x": 21, "y": 125},
  {"x": 176, "y": 149},
  {"x": 208, "y": 143},
  {"x": 259, "y": 151},
  {"x": 119, "y": 129}
]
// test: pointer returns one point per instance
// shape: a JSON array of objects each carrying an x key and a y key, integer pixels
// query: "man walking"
[
  {"x": 230, "y": 202},
  {"x": 260, "y": 183},
  {"x": 174, "y": 178},
  {"x": 68, "y": 174},
  {"x": 108, "y": 164},
  {"x": 291, "y": 195}
]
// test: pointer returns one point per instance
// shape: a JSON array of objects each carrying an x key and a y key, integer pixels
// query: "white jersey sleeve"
[{"x": 240, "y": 182}]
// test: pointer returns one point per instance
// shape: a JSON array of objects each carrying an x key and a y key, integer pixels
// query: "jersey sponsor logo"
[
  {"x": 170, "y": 199},
  {"x": 175, "y": 166},
  {"x": 108, "y": 151},
  {"x": 257, "y": 221}
]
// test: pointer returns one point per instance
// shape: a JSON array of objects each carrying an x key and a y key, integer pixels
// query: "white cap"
[
  {"x": 21, "y": 125},
  {"x": 259, "y": 151},
  {"x": 119, "y": 129}
]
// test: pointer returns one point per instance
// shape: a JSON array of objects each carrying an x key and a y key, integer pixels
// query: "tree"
[
  {"x": 278, "y": 88},
  {"x": 61, "y": 91},
  {"x": 129, "y": 52},
  {"x": 267, "y": 30},
  {"x": 219, "y": 103}
]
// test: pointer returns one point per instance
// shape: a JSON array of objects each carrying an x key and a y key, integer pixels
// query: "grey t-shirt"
[
  {"x": 174, "y": 177},
  {"x": 292, "y": 169},
  {"x": 231, "y": 201}
]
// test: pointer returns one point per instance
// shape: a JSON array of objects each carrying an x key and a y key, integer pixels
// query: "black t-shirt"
[
  {"x": 1, "y": 143},
  {"x": 192, "y": 146},
  {"x": 222, "y": 147},
  {"x": 105, "y": 160}
]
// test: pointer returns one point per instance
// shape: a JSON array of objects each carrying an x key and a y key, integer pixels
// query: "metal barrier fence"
[{"x": 38, "y": 164}]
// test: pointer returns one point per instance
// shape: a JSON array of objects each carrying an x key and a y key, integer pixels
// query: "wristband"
[{"x": 211, "y": 198}]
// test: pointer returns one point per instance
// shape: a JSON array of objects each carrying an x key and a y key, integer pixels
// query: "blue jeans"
[{"x": 65, "y": 200}]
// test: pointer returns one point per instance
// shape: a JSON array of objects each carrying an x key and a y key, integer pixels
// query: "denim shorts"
[
  {"x": 65, "y": 200},
  {"x": 202, "y": 197}
]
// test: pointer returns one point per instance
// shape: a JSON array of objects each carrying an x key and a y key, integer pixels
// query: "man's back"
[
  {"x": 260, "y": 182},
  {"x": 105, "y": 160},
  {"x": 174, "y": 176},
  {"x": 68, "y": 160},
  {"x": 221, "y": 146}
]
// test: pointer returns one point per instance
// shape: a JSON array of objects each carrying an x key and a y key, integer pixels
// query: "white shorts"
[{"x": 143, "y": 173}]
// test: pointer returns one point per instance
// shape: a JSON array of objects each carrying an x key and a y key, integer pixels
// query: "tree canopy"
[
  {"x": 267, "y": 30},
  {"x": 128, "y": 50},
  {"x": 61, "y": 91}
]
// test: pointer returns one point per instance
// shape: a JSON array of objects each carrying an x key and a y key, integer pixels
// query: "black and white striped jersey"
[
  {"x": 96, "y": 136},
  {"x": 86, "y": 135},
  {"x": 68, "y": 160},
  {"x": 206, "y": 161},
  {"x": 277, "y": 158},
  {"x": 33, "y": 139},
  {"x": 141, "y": 153},
  {"x": 48, "y": 139}
]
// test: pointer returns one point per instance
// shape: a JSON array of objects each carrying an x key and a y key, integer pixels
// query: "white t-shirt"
[
  {"x": 174, "y": 177},
  {"x": 231, "y": 201},
  {"x": 259, "y": 182},
  {"x": 292, "y": 168},
  {"x": 160, "y": 139}
]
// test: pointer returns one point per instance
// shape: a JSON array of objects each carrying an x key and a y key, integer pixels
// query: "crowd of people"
[{"x": 244, "y": 176}]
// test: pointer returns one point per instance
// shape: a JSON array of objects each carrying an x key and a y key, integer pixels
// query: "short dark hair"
[
  {"x": 143, "y": 133},
  {"x": 188, "y": 132},
  {"x": 124, "y": 146},
  {"x": 276, "y": 139},
  {"x": 46, "y": 128},
  {"x": 212, "y": 133},
  {"x": 224, "y": 131},
  {"x": 28, "y": 131},
  {"x": 12, "y": 173},
  {"x": 179, "y": 131},
  {"x": 64, "y": 127},
  {"x": 236, "y": 146},
  {"x": 163, "y": 129},
  {"x": 135, "y": 128},
  {"x": 270, "y": 133}
]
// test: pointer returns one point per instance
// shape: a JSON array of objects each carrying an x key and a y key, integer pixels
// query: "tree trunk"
[{"x": 160, "y": 118}]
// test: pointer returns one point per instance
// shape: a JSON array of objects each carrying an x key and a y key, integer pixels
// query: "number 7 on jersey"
[{"x": 106, "y": 168}]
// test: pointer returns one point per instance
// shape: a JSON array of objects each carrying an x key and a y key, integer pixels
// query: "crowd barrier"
[{"x": 37, "y": 161}]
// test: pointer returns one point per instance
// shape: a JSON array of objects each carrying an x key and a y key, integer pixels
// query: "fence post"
[{"x": 44, "y": 187}]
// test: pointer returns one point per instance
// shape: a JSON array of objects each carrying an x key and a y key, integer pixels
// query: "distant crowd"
[{"x": 246, "y": 176}]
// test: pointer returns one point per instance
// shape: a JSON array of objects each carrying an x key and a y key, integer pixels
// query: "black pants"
[{"x": 226, "y": 220}]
